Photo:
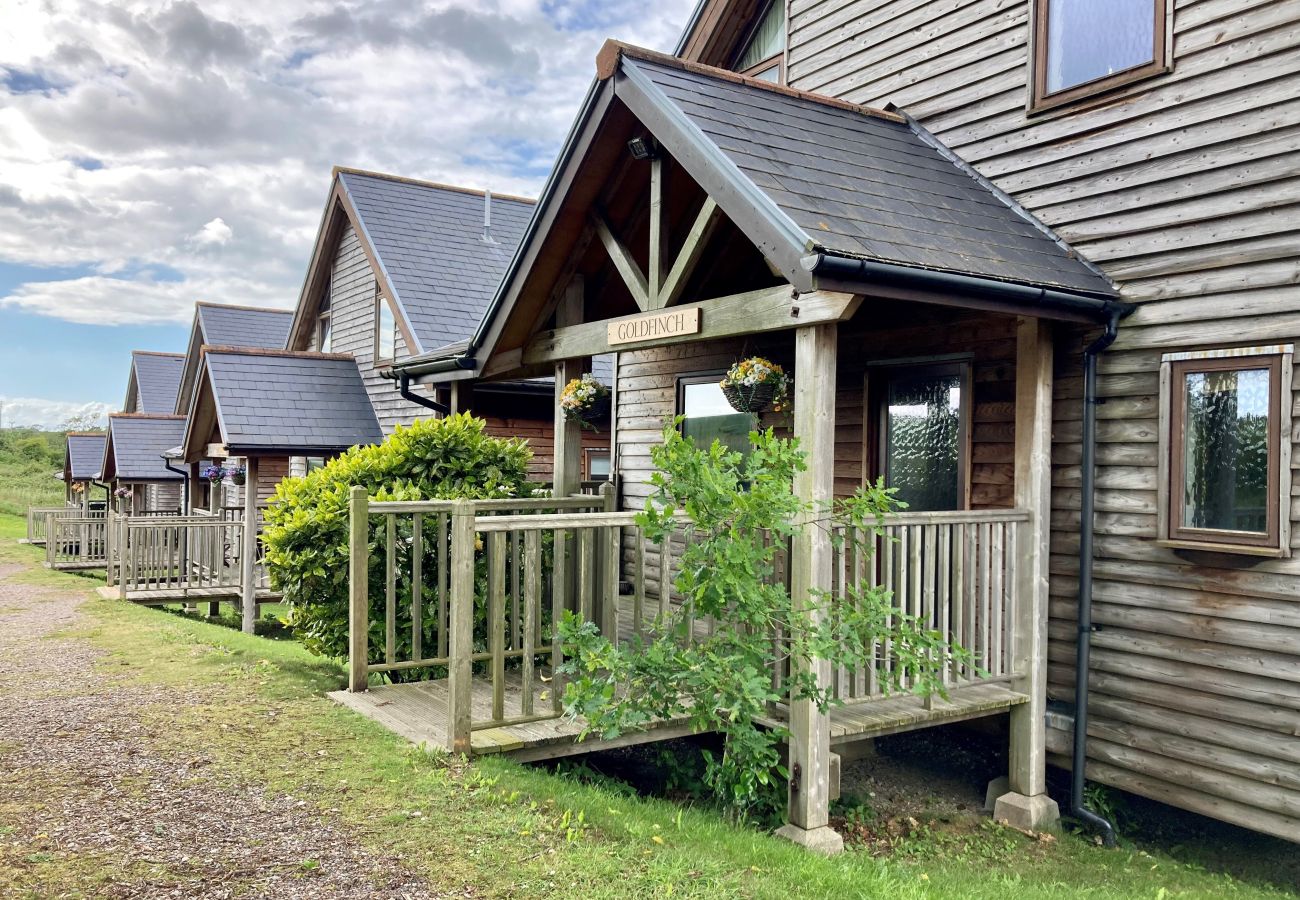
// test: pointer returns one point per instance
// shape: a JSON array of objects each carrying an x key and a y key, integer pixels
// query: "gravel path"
[{"x": 82, "y": 789}]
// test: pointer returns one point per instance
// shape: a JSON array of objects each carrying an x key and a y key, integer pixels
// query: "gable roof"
[
  {"x": 154, "y": 381},
  {"x": 134, "y": 446},
  {"x": 221, "y": 325},
  {"x": 427, "y": 242},
  {"x": 855, "y": 182},
  {"x": 84, "y": 456},
  {"x": 834, "y": 195},
  {"x": 268, "y": 401},
  {"x": 242, "y": 326}
]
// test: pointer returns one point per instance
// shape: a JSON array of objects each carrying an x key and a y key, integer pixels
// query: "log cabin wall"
[
  {"x": 1184, "y": 189},
  {"x": 647, "y": 392}
]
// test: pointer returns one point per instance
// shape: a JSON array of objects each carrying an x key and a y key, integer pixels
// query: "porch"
[{"x": 490, "y": 656}]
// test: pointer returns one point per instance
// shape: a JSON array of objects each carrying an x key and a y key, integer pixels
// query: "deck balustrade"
[{"x": 481, "y": 586}]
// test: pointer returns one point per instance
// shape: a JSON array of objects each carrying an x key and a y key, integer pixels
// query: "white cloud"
[
  {"x": 139, "y": 137},
  {"x": 215, "y": 233},
  {"x": 32, "y": 412}
]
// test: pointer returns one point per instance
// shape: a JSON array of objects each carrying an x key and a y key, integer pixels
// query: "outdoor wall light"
[{"x": 641, "y": 148}]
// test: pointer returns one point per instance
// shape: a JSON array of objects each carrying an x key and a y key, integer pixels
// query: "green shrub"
[
  {"x": 306, "y": 533},
  {"x": 743, "y": 509}
]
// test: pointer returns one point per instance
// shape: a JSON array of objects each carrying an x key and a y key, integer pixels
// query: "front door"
[{"x": 920, "y": 441}]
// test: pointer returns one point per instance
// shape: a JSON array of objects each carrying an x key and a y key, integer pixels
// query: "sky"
[{"x": 157, "y": 153}]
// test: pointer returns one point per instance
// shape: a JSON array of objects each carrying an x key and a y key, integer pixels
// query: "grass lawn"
[{"x": 496, "y": 828}]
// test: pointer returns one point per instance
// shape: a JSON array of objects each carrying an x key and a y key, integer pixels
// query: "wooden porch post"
[
  {"x": 248, "y": 562},
  {"x": 810, "y": 574},
  {"x": 566, "y": 459},
  {"x": 358, "y": 589},
  {"x": 1027, "y": 805},
  {"x": 462, "y": 397}
]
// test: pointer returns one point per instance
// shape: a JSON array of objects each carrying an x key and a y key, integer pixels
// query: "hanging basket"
[
  {"x": 239, "y": 478},
  {"x": 590, "y": 414},
  {"x": 750, "y": 398}
]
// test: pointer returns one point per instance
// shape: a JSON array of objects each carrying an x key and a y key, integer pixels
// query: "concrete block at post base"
[
  {"x": 997, "y": 787},
  {"x": 1036, "y": 813},
  {"x": 824, "y": 840}
]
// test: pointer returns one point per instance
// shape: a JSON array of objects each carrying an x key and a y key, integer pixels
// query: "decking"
[
  {"x": 953, "y": 571},
  {"x": 418, "y": 711}
]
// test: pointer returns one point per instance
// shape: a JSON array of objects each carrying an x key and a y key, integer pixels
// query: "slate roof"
[
  {"x": 136, "y": 444},
  {"x": 157, "y": 379},
  {"x": 429, "y": 242},
  {"x": 243, "y": 326},
  {"x": 85, "y": 456},
  {"x": 290, "y": 401},
  {"x": 861, "y": 183}
]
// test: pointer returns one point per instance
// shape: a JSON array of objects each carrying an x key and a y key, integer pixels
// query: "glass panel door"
[{"x": 923, "y": 447}]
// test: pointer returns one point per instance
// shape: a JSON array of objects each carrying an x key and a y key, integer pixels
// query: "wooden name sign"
[{"x": 655, "y": 326}]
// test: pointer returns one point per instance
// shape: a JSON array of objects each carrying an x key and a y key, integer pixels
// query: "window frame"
[
  {"x": 380, "y": 303},
  {"x": 1275, "y": 541},
  {"x": 587, "y": 453},
  {"x": 324, "y": 320},
  {"x": 1040, "y": 100},
  {"x": 776, "y": 59},
  {"x": 875, "y": 395}
]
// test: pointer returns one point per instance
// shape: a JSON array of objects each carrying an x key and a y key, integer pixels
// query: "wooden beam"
[
  {"x": 627, "y": 268},
  {"x": 567, "y": 458},
  {"x": 358, "y": 589},
  {"x": 248, "y": 564},
  {"x": 696, "y": 240},
  {"x": 753, "y": 312},
  {"x": 1032, "y": 808},
  {"x": 657, "y": 247},
  {"x": 811, "y": 580}
]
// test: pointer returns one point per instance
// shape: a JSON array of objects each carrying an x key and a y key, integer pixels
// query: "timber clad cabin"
[
  {"x": 1032, "y": 263},
  {"x": 83, "y": 459},
  {"x": 1029, "y": 274}
]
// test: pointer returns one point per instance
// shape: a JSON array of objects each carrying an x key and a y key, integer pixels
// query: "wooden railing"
[
  {"x": 480, "y": 587},
  {"x": 75, "y": 543},
  {"x": 37, "y": 515},
  {"x": 177, "y": 554},
  {"x": 953, "y": 571},
  {"x": 435, "y": 552}
]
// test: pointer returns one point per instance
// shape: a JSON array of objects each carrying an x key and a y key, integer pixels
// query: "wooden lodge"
[{"x": 1038, "y": 278}]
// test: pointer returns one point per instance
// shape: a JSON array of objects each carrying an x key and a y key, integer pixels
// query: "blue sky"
[{"x": 158, "y": 152}]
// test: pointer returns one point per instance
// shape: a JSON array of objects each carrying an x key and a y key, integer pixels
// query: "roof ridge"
[
  {"x": 207, "y": 349},
  {"x": 85, "y": 434},
  {"x": 438, "y": 185},
  {"x": 209, "y": 304},
  {"x": 157, "y": 353},
  {"x": 144, "y": 415},
  {"x": 610, "y": 53}
]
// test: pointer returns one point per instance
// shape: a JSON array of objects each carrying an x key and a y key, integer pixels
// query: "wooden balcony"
[{"x": 491, "y": 655}]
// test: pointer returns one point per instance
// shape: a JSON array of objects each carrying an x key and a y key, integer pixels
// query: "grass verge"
[{"x": 498, "y": 829}]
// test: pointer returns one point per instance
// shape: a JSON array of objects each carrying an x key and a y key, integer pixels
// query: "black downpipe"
[
  {"x": 404, "y": 388},
  {"x": 185, "y": 482},
  {"x": 1083, "y": 644}
]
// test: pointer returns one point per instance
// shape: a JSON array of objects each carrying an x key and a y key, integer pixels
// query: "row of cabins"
[{"x": 1030, "y": 262}]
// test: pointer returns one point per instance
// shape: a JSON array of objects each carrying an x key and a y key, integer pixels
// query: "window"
[
  {"x": 385, "y": 331},
  {"x": 763, "y": 55},
  {"x": 1083, "y": 47},
  {"x": 324, "y": 338},
  {"x": 921, "y": 442},
  {"x": 707, "y": 414},
  {"x": 597, "y": 463},
  {"x": 1227, "y": 415}
]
